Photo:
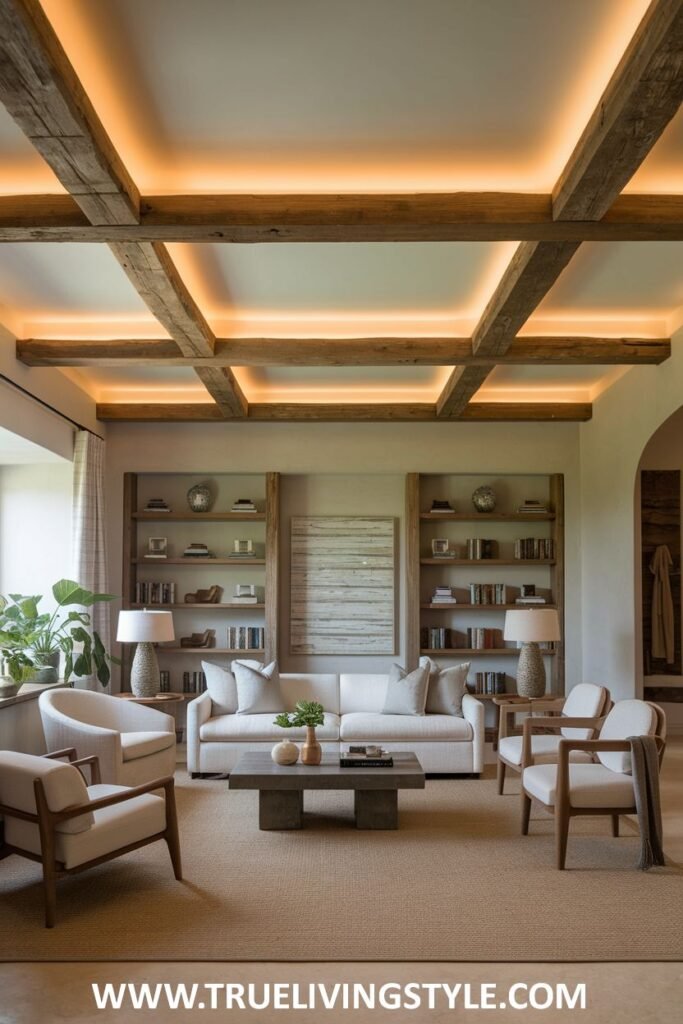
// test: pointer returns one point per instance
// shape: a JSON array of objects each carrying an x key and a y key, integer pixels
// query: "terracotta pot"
[{"x": 311, "y": 752}]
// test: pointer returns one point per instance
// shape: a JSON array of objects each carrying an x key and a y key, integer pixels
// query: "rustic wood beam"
[
  {"x": 41, "y": 91},
  {"x": 463, "y": 216},
  {"x": 637, "y": 104},
  {"x": 549, "y": 351},
  {"x": 493, "y": 412}
]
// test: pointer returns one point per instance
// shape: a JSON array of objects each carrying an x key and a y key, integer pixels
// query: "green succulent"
[{"x": 306, "y": 713}]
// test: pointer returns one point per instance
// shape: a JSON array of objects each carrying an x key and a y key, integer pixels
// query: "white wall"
[
  {"x": 375, "y": 456},
  {"x": 611, "y": 445}
]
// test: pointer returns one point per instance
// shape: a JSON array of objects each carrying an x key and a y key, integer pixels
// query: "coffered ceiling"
[{"x": 425, "y": 171}]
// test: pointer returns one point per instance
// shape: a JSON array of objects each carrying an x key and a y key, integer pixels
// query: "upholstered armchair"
[
  {"x": 132, "y": 743},
  {"x": 585, "y": 701},
  {"x": 53, "y": 817},
  {"x": 602, "y": 787}
]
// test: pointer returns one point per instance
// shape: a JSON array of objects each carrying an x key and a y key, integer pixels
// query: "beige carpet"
[{"x": 456, "y": 882}]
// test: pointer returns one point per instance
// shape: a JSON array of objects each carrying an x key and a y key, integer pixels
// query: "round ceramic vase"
[
  {"x": 199, "y": 498},
  {"x": 484, "y": 499},
  {"x": 285, "y": 752}
]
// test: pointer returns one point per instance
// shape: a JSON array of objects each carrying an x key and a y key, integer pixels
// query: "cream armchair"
[
  {"x": 53, "y": 817},
  {"x": 132, "y": 743},
  {"x": 586, "y": 700},
  {"x": 602, "y": 787}
]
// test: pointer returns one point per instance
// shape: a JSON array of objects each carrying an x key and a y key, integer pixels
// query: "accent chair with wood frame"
[
  {"x": 53, "y": 817},
  {"x": 586, "y": 700},
  {"x": 604, "y": 787}
]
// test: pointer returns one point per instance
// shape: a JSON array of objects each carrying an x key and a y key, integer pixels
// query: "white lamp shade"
[
  {"x": 532, "y": 625},
  {"x": 145, "y": 627}
]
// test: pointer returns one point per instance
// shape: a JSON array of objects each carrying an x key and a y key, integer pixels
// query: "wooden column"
[
  {"x": 128, "y": 570},
  {"x": 412, "y": 528},
  {"x": 557, "y": 685},
  {"x": 272, "y": 563}
]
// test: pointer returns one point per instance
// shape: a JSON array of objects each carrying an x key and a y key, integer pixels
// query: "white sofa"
[{"x": 353, "y": 705}]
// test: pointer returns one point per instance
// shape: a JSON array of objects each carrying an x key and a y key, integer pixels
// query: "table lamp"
[
  {"x": 531, "y": 626},
  {"x": 145, "y": 629}
]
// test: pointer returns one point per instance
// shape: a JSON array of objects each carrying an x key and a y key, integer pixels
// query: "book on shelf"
[
  {"x": 479, "y": 548},
  {"x": 441, "y": 506},
  {"x": 156, "y": 505},
  {"x": 488, "y": 682},
  {"x": 443, "y": 595},
  {"x": 534, "y": 547},
  {"x": 154, "y": 557},
  {"x": 198, "y": 551},
  {"x": 239, "y": 599},
  {"x": 440, "y": 638},
  {"x": 532, "y": 506},
  {"x": 147, "y": 592},
  {"x": 194, "y": 682},
  {"x": 488, "y": 593},
  {"x": 244, "y": 505},
  {"x": 164, "y": 681},
  {"x": 531, "y": 600},
  {"x": 246, "y": 638},
  {"x": 480, "y": 638}
]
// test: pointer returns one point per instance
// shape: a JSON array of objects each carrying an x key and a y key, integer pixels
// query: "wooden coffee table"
[{"x": 281, "y": 787}]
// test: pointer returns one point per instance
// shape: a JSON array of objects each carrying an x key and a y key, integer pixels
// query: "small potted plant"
[{"x": 308, "y": 714}]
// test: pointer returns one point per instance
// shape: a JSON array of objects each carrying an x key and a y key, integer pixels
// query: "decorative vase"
[
  {"x": 285, "y": 752},
  {"x": 46, "y": 668},
  {"x": 484, "y": 499},
  {"x": 8, "y": 687},
  {"x": 311, "y": 752},
  {"x": 199, "y": 498},
  {"x": 530, "y": 671},
  {"x": 145, "y": 680}
]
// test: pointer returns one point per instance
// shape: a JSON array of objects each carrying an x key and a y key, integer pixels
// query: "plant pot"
[
  {"x": 46, "y": 668},
  {"x": 8, "y": 687},
  {"x": 311, "y": 752}
]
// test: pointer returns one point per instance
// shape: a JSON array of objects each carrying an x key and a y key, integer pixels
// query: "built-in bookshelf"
[
  {"x": 163, "y": 583},
  {"x": 499, "y": 533}
]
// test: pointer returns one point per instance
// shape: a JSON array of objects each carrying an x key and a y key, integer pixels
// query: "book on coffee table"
[{"x": 365, "y": 757}]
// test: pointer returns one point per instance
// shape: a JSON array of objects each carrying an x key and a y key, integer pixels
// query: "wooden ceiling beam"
[
  {"x": 462, "y": 216},
  {"x": 549, "y": 351},
  {"x": 640, "y": 99},
  {"x": 302, "y": 412}
]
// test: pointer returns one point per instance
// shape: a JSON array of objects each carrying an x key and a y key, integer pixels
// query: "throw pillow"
[
  {"x": 258, "y": 689},
  {"x": 447, "y": 687},
  {"x": 406, "y": 692},
  {"x": 220, "y": 683}
]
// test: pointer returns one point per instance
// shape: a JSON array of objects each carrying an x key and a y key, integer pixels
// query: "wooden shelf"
[
  {"x": 198, "y": 561},
  {"x": 209, "y": 650},
  {"x": 200, "y": 517},
  {"x": 189, "y": 607},
  {"x": 461, "y": 607},
  {"x": 483, "y": 562},
  {"x": 474, "y": 652},
  {"x": 491, "y": 517}
]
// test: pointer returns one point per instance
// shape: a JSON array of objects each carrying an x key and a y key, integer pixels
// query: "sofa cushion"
[
  {"x": 627, "y": 718},
  {"x": 406, "y": 691},
  {"x": 320, "y": 686},
  {"x": 590, "y": 785},
  {"x": 362, "y": 691},
  {"x": 447, "y": 687},
  {"x": 363, "y": 725},
  {"x": 261, "y": 728},
  {"x": 141, "y": 744},
  {"x": 258, "y": 689},
  {"x": 583, "y": 701},
  {"x": 543, "y": 749},
  {"x": 220, "y": 682}
]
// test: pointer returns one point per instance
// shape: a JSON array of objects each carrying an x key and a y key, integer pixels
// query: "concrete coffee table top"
[{"x": 281, "y": 787}]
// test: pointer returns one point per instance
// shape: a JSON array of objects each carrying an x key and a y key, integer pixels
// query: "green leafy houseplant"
[
  {"x": 306, "y": 713},
  {"x": 29, "y": 637}
]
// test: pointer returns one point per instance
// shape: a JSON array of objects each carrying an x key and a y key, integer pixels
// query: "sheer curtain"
[{"x": 89, "y": 553}]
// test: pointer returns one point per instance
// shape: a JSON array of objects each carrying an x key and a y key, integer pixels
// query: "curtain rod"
[{"x": 46, "y": 405}]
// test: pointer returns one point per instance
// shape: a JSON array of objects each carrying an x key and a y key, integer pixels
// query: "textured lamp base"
[
  {"x": 144, "y": 673},
  {"x": 530, "y": 671}
]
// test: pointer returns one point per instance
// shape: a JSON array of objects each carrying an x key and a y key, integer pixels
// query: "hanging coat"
[{"x": 662, "y": 605}]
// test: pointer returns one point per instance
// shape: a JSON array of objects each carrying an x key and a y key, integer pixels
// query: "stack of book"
[
  {"x": 194, "y": 682},
  {"x": 365, "y": 757},
  {"x": 436, "y": 638},
  {"x": 245, "y": 593},
  {"x": 441, "y": 506},
  {"x": 488, "y": 593},
  {"x": 154, "y": 593},
  {"x": 530, "y": 599},
  {"x": 443, "y": 595},
  {"x": 164, "y": 681},
  {"x": 244, "y": 505},
  {"x": 483, "y": 639},
  {"x": 489, "y": 682},
  {"x": 246, "y": 638},
  {"x": 534, "y": 547},
  {"x": 156, "y": 505},
  {"x": 198, "y": 551},
  {"x": 479, "y": 548},
  {"x": 532, "y": 507},
  {"x": 242, "y": 549}
]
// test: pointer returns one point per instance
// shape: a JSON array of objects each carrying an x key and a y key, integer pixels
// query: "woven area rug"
[{"x": 456, "y": 882}]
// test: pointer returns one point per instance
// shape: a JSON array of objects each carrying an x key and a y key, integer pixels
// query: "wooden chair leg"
[
  {"x": 615, "y": 826},
  {"x": 526, "y": 813},
  {"x": 561, "y": 833},
  {"x": 501, "y": 776},
  {"x": 50, "y": 893},
  {"x": 171, "y": 835}
]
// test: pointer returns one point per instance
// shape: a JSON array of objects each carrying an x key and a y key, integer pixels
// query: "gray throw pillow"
[
  {"x": 406, "y": 692},
  {"x": 447, "y": 687},
  {"x": 258, "y": 689},
  {"x": 220, "y": 683}
]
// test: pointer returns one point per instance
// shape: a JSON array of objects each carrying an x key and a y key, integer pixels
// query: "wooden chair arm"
[
  {"x": 57, "y": 755},
  {"x": 94, "y": 762},
  {"x": 166, "y": 784},
  {"x": 532, "y": 725}
]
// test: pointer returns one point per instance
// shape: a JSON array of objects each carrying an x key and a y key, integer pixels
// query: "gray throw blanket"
[{"x": 645, "y": 770}]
